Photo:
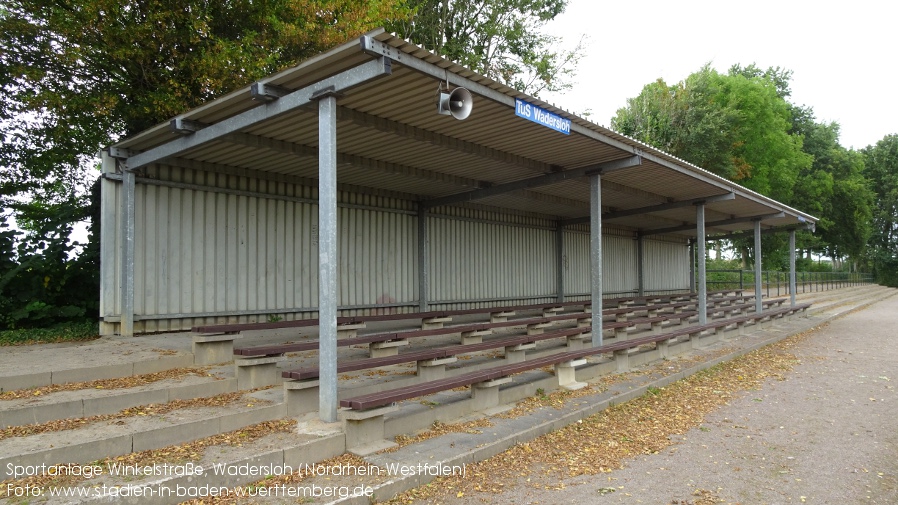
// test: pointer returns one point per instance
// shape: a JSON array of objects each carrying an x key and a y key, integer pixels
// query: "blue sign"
[{"x": 542, "y": 116}]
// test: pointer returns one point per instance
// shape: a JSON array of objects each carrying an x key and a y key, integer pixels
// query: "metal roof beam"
[
  {"x": 750, "y": 234},
  {"x": 350, "y": 159},
  {"x": 649, "y": 209},
  {"x": 299, "y": 98},
  {"x": 668, "y": 206},
  {"x": 440, "y": 140},
  {"x": 387, "y": 167},
  {"x": 534, "y": 182},
  {"x": 221, "y": 169},
  {"x": 725, "y": 222}
]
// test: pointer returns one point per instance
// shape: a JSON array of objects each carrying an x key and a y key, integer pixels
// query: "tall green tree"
[
  {"x": 881, "y": 167},
  {"x": 77, "y": 75},
  {"x": 736, "y": 125},
  {"x": 501, "y": 39}
]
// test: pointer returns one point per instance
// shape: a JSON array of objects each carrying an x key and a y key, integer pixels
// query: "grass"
[{"x": 67, "y": 332}]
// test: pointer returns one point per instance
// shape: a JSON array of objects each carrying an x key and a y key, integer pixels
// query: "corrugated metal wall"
[
  {"x": 214, "y": 248},
  {"x": 666, "y": 266},
  {"x": 472, "y": 260},
  {"x": 619, "y": 274},
  {"x": 222, "y": 248}
]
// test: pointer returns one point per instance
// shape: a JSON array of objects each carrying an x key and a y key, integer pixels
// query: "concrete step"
[
  {"x": 99, "y": 440},
  {"x": 32, "y": 366},
  {"x": 222, "y": 466},
  {"x": 837, "y": 300},
  {"x": 92, "y": 401}
]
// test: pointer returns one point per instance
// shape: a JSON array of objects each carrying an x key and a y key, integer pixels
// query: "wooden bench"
[
  {"x": 257, "y": 366},
  {"x": 364, "y": 417},
  {"x": 389, "y": 396},
  {"x": 214, "y": 343},
  {"x": 271, "y": 350}
]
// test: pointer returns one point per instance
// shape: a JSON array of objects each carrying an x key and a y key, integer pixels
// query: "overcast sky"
[{"x": 844, "y": 56}]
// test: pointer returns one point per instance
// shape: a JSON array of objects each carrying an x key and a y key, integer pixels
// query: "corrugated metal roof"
[{"x": 391, "y": 138}]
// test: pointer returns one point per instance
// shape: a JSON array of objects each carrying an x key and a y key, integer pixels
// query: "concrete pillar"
[
  {"x": 595, "y": 255},
  {"x": 700, "y": 263},
  {"x": 127, "y": 293},
  {"x": 792, "y": 268},
  {"x": 759, "y": 303},
  {"x": 559, "y": 262},
  {"x": 692, "y": 266},
  {"x": 423, "y": 260},
  {"x": 109, "y": 288},
  {"x": 640, "y": 265},
  {"x": 327, "y": 258}
]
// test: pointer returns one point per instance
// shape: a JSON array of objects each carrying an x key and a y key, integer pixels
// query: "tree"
[
  {"x": 735, "y": 125},
  {"x": 77, "y": 75},
  {"x": 834, "y": 189},
  {"x": 881, "y": 167},
  {"x": 500, "y": 39},
  {"x": 74, "y": 79}
]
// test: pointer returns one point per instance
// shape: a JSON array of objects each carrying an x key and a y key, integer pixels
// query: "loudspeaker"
[{"x": 458, "y": 103}]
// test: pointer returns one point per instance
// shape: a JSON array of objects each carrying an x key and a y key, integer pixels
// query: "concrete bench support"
[
  {"x": 500, "y": 317},
  {"x": 301, "y": 396},
  {"x": 566, "y": 374},
  {"x": 474, "y": 337},
  {"x": 586, "y": 322},
  {"x": 622, "y": 360},
  {"x": 382, "y": 349},
  {"x": 433, "y": 323},
  {"x": 485, "y": 395},
  {"x": 663, "y": 347},
  {"x": 537, "y": 329},
  {"x": 620, "y": 332},
  {"x": 551, "y": 311},
  {"x": 213, "y": 348},
  {"x": 433, "y": 369},
  {"x": 257, "y": 372},
  {"x": 695, "y": 340},
  {"x": 365, "y": 430},
  {"x": 517, "y": 353},
  {"x": 349, "y": 330},
  {"x": 576, "y": 342}
]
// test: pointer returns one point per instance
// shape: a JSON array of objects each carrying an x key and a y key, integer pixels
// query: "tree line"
[
  {"x": 77, "y": 76},
  {"x": 742, "y": 126}
]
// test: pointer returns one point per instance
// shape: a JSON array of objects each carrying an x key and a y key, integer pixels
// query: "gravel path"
[{"x": 827, "y": 434}]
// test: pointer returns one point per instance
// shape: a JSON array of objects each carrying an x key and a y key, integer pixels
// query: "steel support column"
[
  {"x": 692, "y": 266},
  {"x": 759, "y": 305},
  {"x": 327, "y": 258},
  {"x": 700, "y": 263},
  {"x": 792, "y": 267},
  {"x": 423, "y": 259},
  {"x": 595, "y": 255},
  {"x": 559, "y": 262},
  {"x": 127, "y": 293},
  {"x": 640, "y": 264}
]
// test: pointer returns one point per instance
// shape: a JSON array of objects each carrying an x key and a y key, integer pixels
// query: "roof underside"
[{"x": 389, "y": 137}]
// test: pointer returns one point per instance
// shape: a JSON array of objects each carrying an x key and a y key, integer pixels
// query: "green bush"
[
  {"x": 69, "y": 332},
  {"x": 44, "y": 280}
]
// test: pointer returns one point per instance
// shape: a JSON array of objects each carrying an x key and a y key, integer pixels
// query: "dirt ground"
[{"x": 827, "y": 434}]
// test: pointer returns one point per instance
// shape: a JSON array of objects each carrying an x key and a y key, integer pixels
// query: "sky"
[{"x": 844, "y": 56}]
